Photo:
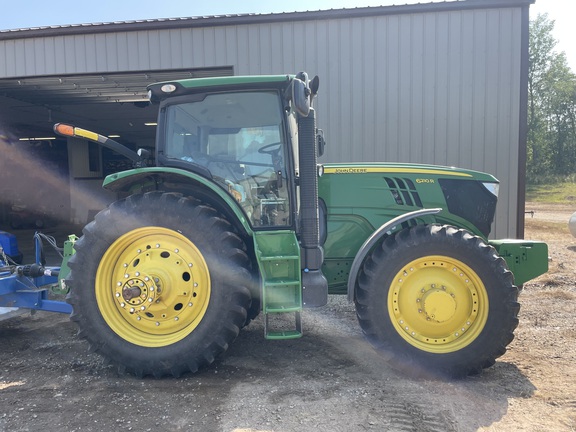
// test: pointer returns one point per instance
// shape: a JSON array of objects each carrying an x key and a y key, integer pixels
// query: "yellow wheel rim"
[
  {"x": 438, "y": 304},
  {"x": 152, "y": 287}
]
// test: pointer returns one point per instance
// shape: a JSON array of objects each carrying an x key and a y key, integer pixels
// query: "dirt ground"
[{"x": 330, "y": 380}]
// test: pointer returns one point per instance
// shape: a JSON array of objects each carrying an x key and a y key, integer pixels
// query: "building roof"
[{"x": 251, "y": 18}]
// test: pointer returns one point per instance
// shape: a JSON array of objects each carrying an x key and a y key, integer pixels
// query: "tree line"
[{"x": 551, "y": 142}]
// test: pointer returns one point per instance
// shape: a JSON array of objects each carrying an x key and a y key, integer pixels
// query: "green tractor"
[{"x": 236, "y": 218}]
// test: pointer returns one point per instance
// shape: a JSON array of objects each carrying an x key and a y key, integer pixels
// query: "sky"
[{"x": 38, "y": 13}]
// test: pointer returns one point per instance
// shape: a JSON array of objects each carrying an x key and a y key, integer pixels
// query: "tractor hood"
[{"x": 385, "y": 190}]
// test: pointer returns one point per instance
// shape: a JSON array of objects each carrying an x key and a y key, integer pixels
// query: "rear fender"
[
  {"x": 178, "y": 180},
  {"x": 375, "y": 238}
]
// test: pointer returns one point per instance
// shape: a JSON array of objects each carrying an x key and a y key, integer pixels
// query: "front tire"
[
  {"x": 159, "y": 284},
  {"x": 437, "y": 299}
]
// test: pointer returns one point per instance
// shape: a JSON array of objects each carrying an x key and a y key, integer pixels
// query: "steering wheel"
[{"x": 267, "y": 149}]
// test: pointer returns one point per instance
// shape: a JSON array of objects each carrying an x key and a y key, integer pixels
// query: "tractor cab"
[
  {"x": 238, "y": 140},
  {"x": 241, "y": 134}
]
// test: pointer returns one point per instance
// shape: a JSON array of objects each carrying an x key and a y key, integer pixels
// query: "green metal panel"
[
  {"x": 526, "y": 259},
  {"x": 346, "y": 233},
  {"x": 61, "y": 288}
]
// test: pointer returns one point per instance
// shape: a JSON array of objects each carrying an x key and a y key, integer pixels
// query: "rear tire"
[
  {"x": 437, "y": 300},
  {"x": 159, "y": 284}
]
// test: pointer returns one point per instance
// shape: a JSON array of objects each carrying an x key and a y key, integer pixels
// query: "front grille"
[{"x": 470, "y": 200}]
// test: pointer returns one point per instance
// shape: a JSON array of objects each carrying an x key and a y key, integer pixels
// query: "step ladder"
[{"x": 278, "y": 255}]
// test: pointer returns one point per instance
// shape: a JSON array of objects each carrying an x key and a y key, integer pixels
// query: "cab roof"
[{"x": 185, "y": 86}]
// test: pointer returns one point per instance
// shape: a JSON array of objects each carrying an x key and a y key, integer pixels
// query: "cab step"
[{"x": 280, "y": 283}]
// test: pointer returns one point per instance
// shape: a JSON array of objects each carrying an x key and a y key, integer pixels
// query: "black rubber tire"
[
  {"x": 225, "y": 256},
  {"x": 254, "y": 309},
  {"x": 375, "y": 317}
]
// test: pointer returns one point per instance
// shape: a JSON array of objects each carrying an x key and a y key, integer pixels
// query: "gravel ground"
[{"x": 330, "y": 380}]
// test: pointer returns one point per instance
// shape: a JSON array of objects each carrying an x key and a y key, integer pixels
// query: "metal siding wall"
[{"x": 438, "y": 88}]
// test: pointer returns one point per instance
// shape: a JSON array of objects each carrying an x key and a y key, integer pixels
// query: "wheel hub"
[
  {"x": 137, "y": 292},
  {"x": 438, "y": 305},
  {"x": 133, "y": 291}
]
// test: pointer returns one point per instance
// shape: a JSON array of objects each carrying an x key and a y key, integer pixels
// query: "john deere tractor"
[{"x": 236, "y": 218}]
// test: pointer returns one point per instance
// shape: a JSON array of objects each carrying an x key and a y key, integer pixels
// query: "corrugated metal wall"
[{"x": 436, "y": 87}]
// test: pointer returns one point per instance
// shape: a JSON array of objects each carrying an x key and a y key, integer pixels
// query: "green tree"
[{"x": 552, "y": 105}]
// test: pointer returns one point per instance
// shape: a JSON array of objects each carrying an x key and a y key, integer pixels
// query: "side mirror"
[
  {"x": 320, "y": 142},
  {"x": 314, "y": 85},
  {"x": 300, "y": 97}
]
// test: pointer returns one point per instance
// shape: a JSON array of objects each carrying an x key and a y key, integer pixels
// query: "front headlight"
[{"x": 493, "y": 188}]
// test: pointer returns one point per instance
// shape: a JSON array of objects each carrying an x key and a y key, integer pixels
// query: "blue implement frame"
[{"x": 30, "y": 292}]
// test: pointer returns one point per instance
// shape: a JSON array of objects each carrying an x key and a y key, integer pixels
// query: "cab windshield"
[{"x": 237, "y": 136}]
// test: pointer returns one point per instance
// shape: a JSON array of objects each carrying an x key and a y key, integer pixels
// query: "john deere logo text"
[{"x": 351, "y": 171}]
